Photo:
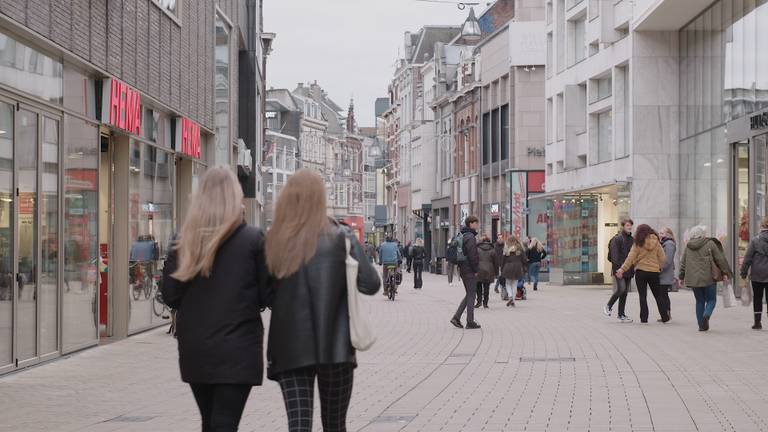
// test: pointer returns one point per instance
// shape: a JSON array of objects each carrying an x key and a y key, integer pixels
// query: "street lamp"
[{"x": 470, "y": 31}]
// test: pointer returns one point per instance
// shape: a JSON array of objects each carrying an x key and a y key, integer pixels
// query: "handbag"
[
  {"x": 360, "y": 333},
  {"x": 729, "y": 298},
  {"x": 746, "y": 295}
]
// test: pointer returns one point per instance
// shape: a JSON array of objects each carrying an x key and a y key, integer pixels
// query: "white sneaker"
[
  {"x": 606, "y": 310},
  {"x": 625, "y": 319}
]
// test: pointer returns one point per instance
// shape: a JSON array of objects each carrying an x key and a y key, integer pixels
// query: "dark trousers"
[
  {"x": 620, "y": 290},
  {"x": 665, "y": 289},
  {"x": 418, "y": 268},
  {"x": 650, "y": 279},
  {"x": 758, "y": 288},
  {"x": 335, "y": 384},
  {"x": 409, "y": 262},
  {"x": 468, "y": 304},
  {"x": 484, "y": 291},
  {"x": 221, "y": 405}
]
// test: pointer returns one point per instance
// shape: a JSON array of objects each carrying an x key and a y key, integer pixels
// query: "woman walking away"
[
  {"x": 667, "y": 277},
  {"x": 309, "y": 333},
  {"x": 647, "y": 257},
  {"x": 513, "y": 265},
  {"x": 756, "y": 260},
  {"x": 700, "y": 257},
  {"x": 536, "y": 254},
  {"x": 487, "y": 270},
  {"x": 214, "y": 276},
  {"x": 418, "y": 255}
]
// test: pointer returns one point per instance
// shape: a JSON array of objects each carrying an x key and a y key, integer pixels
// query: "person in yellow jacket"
[{"x": 648, "y": 258}]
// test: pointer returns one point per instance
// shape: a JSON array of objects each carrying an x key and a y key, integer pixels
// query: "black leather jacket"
[{"x": 310, "y": 317}]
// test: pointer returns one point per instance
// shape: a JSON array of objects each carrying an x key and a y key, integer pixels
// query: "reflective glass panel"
[
  {"x": 26, "y": 279},
  {"x": 31, "y": 71},
  {"x": 6, "y": 234},
  {"x": 49, "y": 238}
]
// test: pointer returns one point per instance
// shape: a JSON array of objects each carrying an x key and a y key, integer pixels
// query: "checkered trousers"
[{"x": 335, "y": 384}]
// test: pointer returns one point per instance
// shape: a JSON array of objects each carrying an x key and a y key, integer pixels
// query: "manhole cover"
[
  {"x": 546, "y": 359},
  {"x": 394, "y": 419},
  {"x": 130, "y": 419}
]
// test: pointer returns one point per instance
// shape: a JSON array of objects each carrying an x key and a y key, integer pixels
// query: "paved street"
[{"x": 553, "y": 363}]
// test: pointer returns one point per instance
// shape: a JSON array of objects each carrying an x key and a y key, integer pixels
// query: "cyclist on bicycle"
[{"x": 390, "y": 259}]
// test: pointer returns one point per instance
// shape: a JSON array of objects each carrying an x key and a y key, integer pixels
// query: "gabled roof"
[{"x": 427, "y": 37}]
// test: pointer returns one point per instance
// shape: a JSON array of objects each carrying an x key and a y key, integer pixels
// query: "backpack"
[
  {"x": 610, "y": 243},
  {"x": 457, "y": 243}
]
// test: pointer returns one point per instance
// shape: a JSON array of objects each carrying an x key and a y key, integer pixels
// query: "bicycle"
[
  {"x": 142, "y": 280},
  {"x": 394, "y": 278}
]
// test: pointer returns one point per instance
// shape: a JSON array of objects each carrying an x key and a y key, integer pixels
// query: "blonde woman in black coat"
[
  {"x": 309, "y": 336},
  {"x": 214, "y": 276},
  {"x": 514, "y": 265}
]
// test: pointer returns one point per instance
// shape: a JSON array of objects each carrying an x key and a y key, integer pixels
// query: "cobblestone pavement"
[{"x": 553, "y": 363}]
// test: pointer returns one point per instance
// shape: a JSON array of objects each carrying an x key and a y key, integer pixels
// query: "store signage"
[
  {"x": 121, "y": 106},
  {"x": 187, "y": 139},
  {"x": 759, "y": 121}
]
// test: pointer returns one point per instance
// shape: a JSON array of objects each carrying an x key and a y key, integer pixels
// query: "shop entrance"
[
  {"x": 105, "y": 234},
  {"x": 29, "y": 235}
]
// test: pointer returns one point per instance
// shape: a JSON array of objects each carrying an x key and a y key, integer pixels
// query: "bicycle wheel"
[
  {"x": 148, "y": 285},
  {"x": 136, "y": 290},
  {"x": 157, "y": 307}
]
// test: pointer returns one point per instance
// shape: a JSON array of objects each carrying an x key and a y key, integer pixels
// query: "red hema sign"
[
  {"x": 121, "y": 106},
  {"x": 188, "y": 137}
]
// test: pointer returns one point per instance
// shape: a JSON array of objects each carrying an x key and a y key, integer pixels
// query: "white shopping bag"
[
  {"x": 746, "y": 294},
  {"x": 729, "y": 298}
]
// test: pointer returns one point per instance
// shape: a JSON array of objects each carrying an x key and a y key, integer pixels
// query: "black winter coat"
[
  {"x": 756, "y": 259},
  {"x": 470, "y": 266},
  {"x": 534, "y": 256},
  {"x": 488, "y": 262},
  {"x": 618, "y": 251},
  {"x": 219, "y": 328},
  {"x": 310, "y": 316},
  {"x": 418, "y": 254}
]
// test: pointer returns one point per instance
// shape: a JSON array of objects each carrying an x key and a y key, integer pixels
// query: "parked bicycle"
[{"x": 142, "y": 279}]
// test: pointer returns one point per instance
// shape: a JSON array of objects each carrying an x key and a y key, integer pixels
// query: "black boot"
[{"x": 758, "y": 325}]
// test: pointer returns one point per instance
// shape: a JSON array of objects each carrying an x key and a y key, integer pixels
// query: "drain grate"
[
  {"x": 394, "y": 419},
  {"x": 547, "y": 359},
  {"x": 130, "y": 419}
]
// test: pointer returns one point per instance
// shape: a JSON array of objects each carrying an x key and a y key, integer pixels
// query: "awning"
[{"x": 596, "y": 189}]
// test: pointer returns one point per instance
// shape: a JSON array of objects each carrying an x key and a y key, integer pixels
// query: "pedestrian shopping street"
[{"x": 553, "y": 363}]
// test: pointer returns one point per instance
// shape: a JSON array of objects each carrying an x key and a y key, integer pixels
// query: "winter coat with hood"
[
  {"x": 756, "y": 259},
  {"x": 514, "y": 263},
  {"x": 649, "y": 257},
  {"x": 487, "y": 266},
  {"x": 470, "y": 266},
  {"x": 696, "y": 264},
  {"x": 667, "y": 276}
]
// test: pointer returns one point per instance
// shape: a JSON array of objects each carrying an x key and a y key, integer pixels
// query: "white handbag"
[
  {"x": 359, "y": 331},
  {"x": 746, "y": 294}
]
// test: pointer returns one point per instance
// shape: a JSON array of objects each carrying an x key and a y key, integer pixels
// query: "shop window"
[
  {"x": 149, "y": 124},
  {"x": 26, "y": 69},
  {"x": 81, "y": 247},
  {"x": 150, "y": 228}
]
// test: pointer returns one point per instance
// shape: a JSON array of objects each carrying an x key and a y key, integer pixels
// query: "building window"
[
  {"x": 223, "y": 119},
  {"x": 594, "y": 9},
  {"x": 601, "y": 88},
  {"x": 550, "y": 66},
  {"x": 549, "y": 115},
  {"x": 486, "y": 138},
  {"x": 604, "y": 136},
  {"x": 579, "y": 40},
  {"x": 495, "y": 136},
  {"x": 505, "y": 144},
  {"x": 30, "y": 71},
  {"x": 170, "y": 6},
  {"x": 560, "y": 118}
]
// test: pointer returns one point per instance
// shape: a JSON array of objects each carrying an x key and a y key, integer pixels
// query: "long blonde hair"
[
  {"x": 536, "y": 244},
  {"x": 513, "y": 245},
  {"x": 215, "y": 211},
  {"x": 300, "y": 219}
]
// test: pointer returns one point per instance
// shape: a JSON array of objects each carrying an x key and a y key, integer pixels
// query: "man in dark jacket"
[
  {"x": 618, "y": 250},
  {"x": 468, "y": 268}
]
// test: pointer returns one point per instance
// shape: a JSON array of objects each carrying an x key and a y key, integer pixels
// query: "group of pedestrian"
[
  {"x": 649, "y": 257},
  {"x": 222, "y": 273},
  {"x": 508, "y": 262}
]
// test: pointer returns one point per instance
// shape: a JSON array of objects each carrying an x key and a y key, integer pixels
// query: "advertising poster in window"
[
  {"x": 517, "y": 195},
  {"x": 572, "y": 234}
]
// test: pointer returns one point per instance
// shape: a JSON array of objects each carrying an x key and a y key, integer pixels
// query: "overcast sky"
[{"x": 348, "y": 46}]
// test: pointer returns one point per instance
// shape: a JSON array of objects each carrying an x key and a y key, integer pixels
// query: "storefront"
[
  {"x": 92, "y": 186},
  {"x": 578, "y": 226}
]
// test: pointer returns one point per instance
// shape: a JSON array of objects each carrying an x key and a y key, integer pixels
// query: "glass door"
[
  {"x": 7, "y": 218},
  {"x": 25, "y": 150}
]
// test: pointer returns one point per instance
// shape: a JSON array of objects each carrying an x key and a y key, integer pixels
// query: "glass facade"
[
  {"x": 150, "y": 229},
  {"x": 81, "y": 246},
  {"x": 6, "y": 233},
  {"x": 572, "y": 234}
]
